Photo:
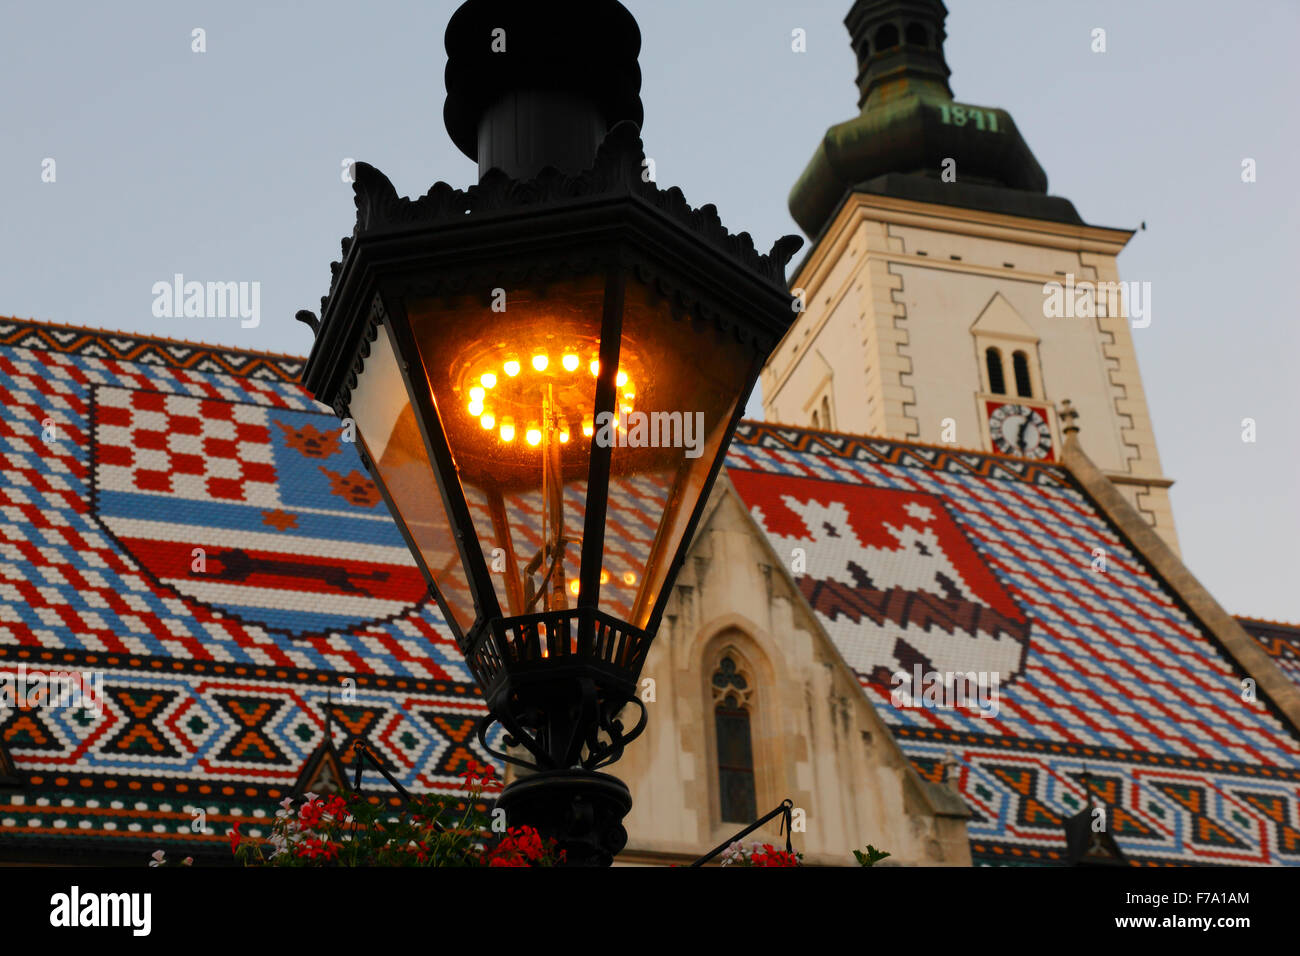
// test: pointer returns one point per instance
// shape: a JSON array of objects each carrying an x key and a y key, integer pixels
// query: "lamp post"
[{"x": 545, "y": 371}]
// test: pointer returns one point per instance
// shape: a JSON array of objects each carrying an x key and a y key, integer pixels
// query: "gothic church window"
[{"x": 736, "y": 793}]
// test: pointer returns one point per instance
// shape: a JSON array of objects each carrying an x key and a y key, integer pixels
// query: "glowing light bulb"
[
  {"x": 570, "y": 362},
  {"x": 629, "y": 578},
  {"x": 629, "y": 395},
  {"x": 604, "y": 577},
  {"x": 477, "y": 394},
  {"x": 574, "y": 586},
  {"x": 507, "y": 429},
  {"x": 540, "y": 361},
  {"x": 488, "y": 380},
  {"x": 621, "y": 379},
  {"x": 564, "y": 436},
  {"x": 588, "y": 429},
  {"x": 595, "y": 367},
  {"x": 533, "y": 435},
  {"x": 512, "y": 368},
  {"x": 488, "y": 422},
  {"x": 627, "y": 409},
  {"x": 476, "y": 409}
]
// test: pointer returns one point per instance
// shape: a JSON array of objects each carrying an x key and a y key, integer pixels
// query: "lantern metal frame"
[{"x": 606, "y": 221}]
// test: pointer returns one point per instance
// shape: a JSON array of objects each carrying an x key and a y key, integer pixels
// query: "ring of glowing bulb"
[{"x": 504, "y": 392}]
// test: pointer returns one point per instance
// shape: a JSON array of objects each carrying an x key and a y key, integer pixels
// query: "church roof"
[
  {"x": 124, "y": 460},
  {"x": 957, "y": 562},
  {"x": 1279, "y": 640}
]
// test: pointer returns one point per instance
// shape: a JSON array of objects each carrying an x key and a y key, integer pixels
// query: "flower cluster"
[
  {"x": 759, "y": 854},
  {"x": 357, "y": 830},
  {"x": 522, "y": 846}
]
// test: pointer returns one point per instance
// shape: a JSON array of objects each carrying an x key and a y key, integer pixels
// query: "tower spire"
[
  {"x": 910, "y": 139},
  {"x": 899, "y": 44}
]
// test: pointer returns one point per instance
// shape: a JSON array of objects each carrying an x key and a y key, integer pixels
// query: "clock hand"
[{"x": 1020, "y": 436}]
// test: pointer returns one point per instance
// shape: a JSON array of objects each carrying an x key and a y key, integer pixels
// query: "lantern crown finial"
[{"x": 532, "y": 85}]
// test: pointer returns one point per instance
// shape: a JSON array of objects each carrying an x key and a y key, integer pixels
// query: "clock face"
[{"x": 1020, "y": 430}]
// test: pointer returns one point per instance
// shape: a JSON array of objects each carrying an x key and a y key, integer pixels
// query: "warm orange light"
[
  {"x": 629, "y": 395},
  {"x": 629, "y": 578},
  {"x": 588, "y": 428},
  {"x": 574, "y": 586},
  {"x": 564, "y": 436},
  {"x": 534, "y": 435},
  {"x": 488, "y": 422},
  {"x": 570, "y": 362},
  {"x": 604, "y": 577},
  {"x": 512, "y": 368},
  {"x": 488, "y": 380},
  {"x": 595, "y": 366},
  {"x": 621, "y": 379},
  {"x": 476, "y": 409},
  {"x": 507, "y": 429},
  {"x": 477, "y": 394},
  {"x": 540, "y": 361}
]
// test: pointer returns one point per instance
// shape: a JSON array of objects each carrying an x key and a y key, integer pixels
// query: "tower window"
[
  {"x": 916, "y": 35},
  {"x": 997, "y": 381},
  {"x": 1020, "y": 362},
  {"x": 735, "y": 745},
  {"x": 817, "y": 422},
  {"x": 826, "y": 412},
  {"x": 886, "y": 37}
]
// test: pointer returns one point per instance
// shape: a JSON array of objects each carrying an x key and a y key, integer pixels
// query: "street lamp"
[{"x": 545, "y": 371}]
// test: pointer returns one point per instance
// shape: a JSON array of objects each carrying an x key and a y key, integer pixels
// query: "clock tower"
[{"x": 947, "y": 298}]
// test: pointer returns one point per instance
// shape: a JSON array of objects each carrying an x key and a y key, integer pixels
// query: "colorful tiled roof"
[
  {"x": 957, "y": 562},
  {"x": 127, "y": 467},
  {"x": 120, "y": 456},
  {"x": 1279, "y": 640}
]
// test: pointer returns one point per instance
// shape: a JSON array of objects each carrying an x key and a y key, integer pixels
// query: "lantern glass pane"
[
  {"x": 388, "y": 428},
  {"x": 679, "y": 381},
  {"x": 514, "y": 386}
]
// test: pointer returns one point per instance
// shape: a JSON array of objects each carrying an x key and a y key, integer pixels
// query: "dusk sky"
[{"x": 226, "y": 166}]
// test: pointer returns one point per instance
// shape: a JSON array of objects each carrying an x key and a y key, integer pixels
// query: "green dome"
[{"x": 909, "y": 126}]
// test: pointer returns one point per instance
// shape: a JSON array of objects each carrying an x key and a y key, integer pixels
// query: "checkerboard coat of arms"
[{"x": 262, "y": 514}]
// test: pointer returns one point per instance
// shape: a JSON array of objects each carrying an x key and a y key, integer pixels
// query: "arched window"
[
  {"x": 997, "y": 381},
  {"x": 736, "y": 794},
  {"x": 916, "y": 35},
  {"x": 817, "y": 422},
  {"x": 1020, "y": 362},
  {"x": 826, "y": 411},
  {"x": 886, "y": 37}
]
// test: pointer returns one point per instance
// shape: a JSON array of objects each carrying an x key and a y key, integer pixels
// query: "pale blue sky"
[{"x": 225, "y": 166}]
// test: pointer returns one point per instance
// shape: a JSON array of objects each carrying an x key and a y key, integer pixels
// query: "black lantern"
[{"x": 545, "y": 371}]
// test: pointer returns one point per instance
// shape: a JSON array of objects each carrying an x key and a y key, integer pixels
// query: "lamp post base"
[{"x": 581, "y": 810}]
